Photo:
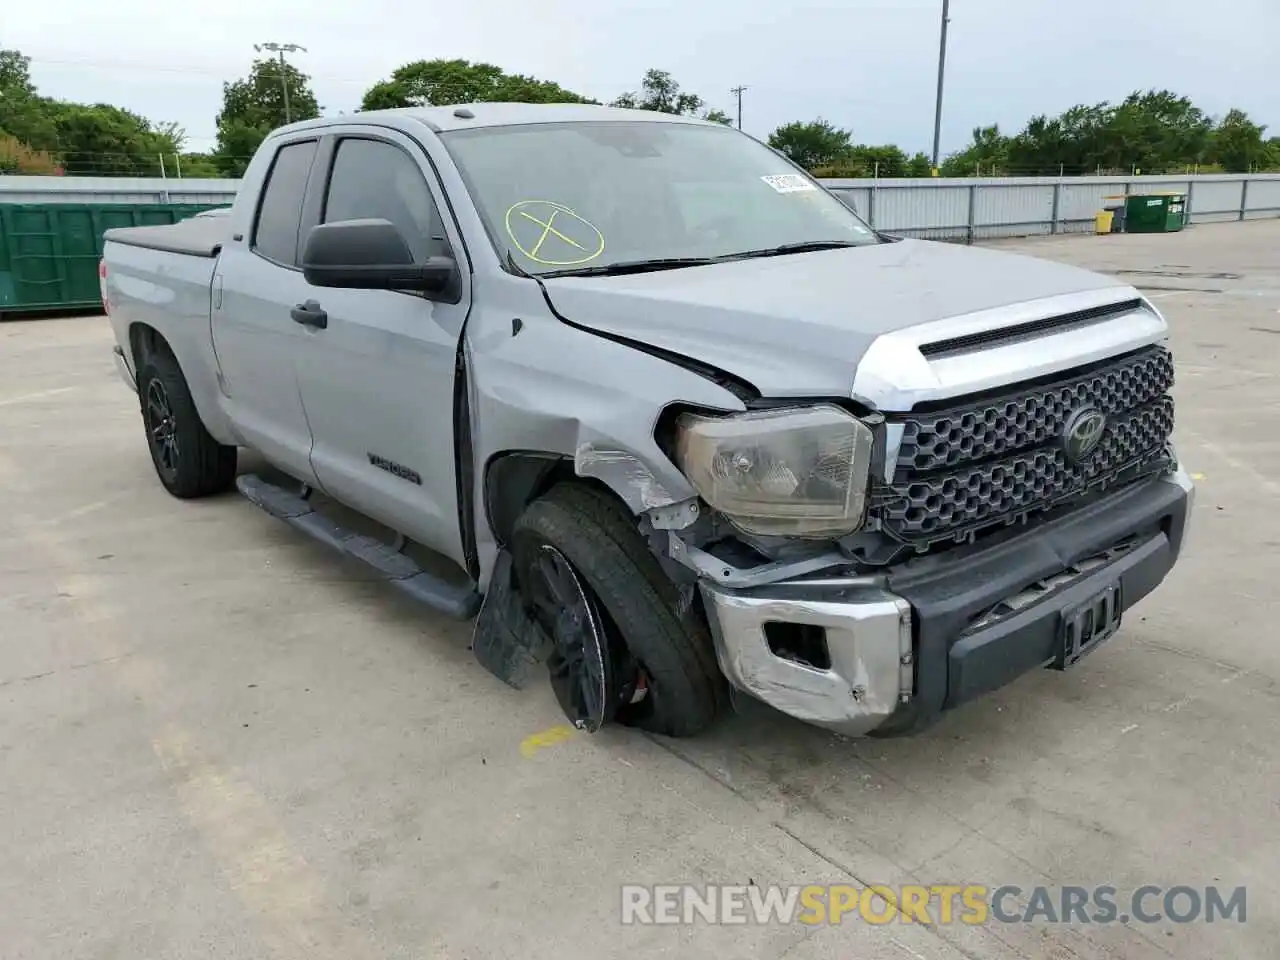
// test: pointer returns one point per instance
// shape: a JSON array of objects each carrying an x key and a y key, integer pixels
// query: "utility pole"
[
  {"x": 942, "y": 67},
  {"x": 282, "y": 49},
  {"x": 737, "y": 92}
]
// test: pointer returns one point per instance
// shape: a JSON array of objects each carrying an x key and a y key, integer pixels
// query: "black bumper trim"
[
  {"x": 988, "y": 659},
  {"x": 955, "y": 664}
]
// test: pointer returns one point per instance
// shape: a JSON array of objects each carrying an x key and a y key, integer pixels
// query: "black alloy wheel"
[
  {"x": 579, "y": 661},
  {"x": 162, "y": 429}
]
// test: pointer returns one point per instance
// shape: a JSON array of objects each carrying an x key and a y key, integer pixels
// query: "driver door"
[{"x": 377, "y": 380}]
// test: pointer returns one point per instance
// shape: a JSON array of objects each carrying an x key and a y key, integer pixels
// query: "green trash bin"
[
  {"x": 49, "y": 252},
  {"x": 1155, "y": 212}
]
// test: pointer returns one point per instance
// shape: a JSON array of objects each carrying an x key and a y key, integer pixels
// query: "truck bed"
[
  {"x": 196, "y": 237},
  {"x": 162, "y": 277}
]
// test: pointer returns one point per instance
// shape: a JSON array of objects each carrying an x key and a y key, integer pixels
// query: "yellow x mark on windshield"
[{"x": 548, "y": 229}]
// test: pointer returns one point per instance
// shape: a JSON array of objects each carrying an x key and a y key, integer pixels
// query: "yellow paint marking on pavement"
[
  {"x": 546, "y": 738},
  {"x": 1197, "y": 476}
]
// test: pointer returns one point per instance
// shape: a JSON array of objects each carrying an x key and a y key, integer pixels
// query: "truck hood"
[{"x": 798, "y": 325}]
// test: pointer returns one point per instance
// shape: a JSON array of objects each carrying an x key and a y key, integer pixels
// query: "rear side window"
[
  {"x": 373, "y": 179},
  {"x": 276, "y": 233}
]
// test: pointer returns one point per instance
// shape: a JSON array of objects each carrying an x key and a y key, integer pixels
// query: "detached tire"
[
  {"x": 636, "y": 603},
  {"x": 188, "y": 461}
]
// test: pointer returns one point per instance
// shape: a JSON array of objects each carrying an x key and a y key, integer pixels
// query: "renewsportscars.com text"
[{"x": 935, "y": 904}]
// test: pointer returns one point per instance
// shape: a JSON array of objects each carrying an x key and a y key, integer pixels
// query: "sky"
[{"x": 865, "y": 65}]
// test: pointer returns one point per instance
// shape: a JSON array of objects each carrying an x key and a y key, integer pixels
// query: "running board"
[{"x": 458, "y": 601}]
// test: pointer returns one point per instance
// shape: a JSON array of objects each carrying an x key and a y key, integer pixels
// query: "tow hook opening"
[{"x": 801, "y": 643}]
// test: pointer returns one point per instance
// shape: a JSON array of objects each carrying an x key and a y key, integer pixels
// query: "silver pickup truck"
[{"x": 660, "y": 412}]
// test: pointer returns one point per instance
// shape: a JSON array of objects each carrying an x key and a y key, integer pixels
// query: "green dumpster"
[
  {"x": 49, "y": 252},
  {"x": 1155, "y": 212}
]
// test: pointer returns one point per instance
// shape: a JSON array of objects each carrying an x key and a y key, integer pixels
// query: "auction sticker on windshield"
[
  {"x": 552, "y": 234},
  {"x": 788, "y": 183}
]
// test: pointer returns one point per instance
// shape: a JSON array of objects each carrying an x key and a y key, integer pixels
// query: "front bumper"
[
  {"x": 936, "y": 633},
  {"x": 122, "y": 367}
]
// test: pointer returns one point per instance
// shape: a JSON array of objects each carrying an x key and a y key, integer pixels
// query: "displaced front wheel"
[
  {"x": 189, "y": 462},
  {"x": 621, "y": 649}
]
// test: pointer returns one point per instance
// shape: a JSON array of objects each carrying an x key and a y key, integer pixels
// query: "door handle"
[{"x": 309, "y": 314}]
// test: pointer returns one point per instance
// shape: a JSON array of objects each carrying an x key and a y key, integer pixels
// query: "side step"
[{"x": 461, "y": 602}]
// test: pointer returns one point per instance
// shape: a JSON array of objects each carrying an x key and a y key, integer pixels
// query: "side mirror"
[{"x": 372, "y": 255}]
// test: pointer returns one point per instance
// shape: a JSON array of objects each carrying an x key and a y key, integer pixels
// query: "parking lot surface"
[{"x": 218, "y": 740}]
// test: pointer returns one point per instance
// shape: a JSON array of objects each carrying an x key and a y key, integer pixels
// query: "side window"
[
  {"x": 372, "y": 179},
  {"x": 275, "y": 235}
]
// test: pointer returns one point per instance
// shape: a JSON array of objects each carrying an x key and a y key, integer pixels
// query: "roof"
[{"x": 501, "y": 114}]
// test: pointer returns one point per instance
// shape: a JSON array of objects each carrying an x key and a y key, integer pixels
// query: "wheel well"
[
  {"x": 144, "y": 343},
  {"x": 514, "y": 480}
]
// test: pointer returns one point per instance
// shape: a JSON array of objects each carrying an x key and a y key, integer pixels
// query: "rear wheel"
[
  {"x": 620, "y": 651},
  {"x": 189, "y": 462}
]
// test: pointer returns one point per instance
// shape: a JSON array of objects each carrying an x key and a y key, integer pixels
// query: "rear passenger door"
[
  {"x": 256, "y": 284},
  {"x": 377, "y": 382}
]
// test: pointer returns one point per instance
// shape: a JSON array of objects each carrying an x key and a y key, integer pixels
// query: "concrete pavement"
[{"x": 217, "y": 740}]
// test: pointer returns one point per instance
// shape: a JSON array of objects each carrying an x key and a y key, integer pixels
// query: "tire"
[
  {"x": 188, "y": 461},
  {"x": 637, "y": 602}
]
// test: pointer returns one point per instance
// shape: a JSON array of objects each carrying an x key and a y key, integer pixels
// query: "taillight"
[{"x": 102, "y": 285}]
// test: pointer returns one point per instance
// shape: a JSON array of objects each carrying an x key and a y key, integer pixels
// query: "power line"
[{"x": 737, "y": 92}]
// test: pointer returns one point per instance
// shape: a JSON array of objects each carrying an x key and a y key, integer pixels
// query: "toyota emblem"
[{"x": 1082, "y": 433}]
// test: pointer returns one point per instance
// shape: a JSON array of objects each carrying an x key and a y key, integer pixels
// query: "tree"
[
  {"x": 198, "y": 165},
  {"x": 24, "y": 115},
  {"x": 1157, "y": 131},
  {"x": 813, "y": 143},
  {"x": 438, "y": 82},
  {"x": 15, "y": 76},
  {"x": 988, "y": 152},
  {"x": 254, "y": 106},
  {"x": 1238, "y": 145},
  {"x": 919, "y": 165},
  {"x": 17, "y": 157},
  {"x": 883, "y": 161},
  {"x": 102, "y": 140},
  {"x": 660, "y": 92}
]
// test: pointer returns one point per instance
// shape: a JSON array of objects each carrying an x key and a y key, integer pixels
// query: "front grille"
[{"x": 995, "y": 460}]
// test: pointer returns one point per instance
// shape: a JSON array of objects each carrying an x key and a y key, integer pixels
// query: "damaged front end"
[
  {"x": 794, "y": 623},
  {"x": 765, "y": 556}
]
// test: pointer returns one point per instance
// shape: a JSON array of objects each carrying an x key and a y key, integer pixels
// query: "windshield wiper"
[
  {"x": 674, "y": 263},
  {"x": 803, "y": 246},
  {"x": 634, "y": 266}
]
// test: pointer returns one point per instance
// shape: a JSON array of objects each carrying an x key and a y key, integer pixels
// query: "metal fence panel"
[
  {"x": 1263, "y": 199},
  {"x": 1079, "y": 202},
  {"x": 1213, "y": 201},
  {"x": 22, "y": 189},
  {"x": 938, "y": 208},
  {"x": 860, "y": 200},
  {"x": 918, "y": 208},
  {"x": 1024, "y": 209}
]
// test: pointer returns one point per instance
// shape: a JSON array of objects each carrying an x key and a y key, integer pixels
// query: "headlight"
[{"x": 800, "y": 472}]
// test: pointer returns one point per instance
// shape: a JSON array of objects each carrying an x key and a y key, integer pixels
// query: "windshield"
[{"x": 576, "y": 196}]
